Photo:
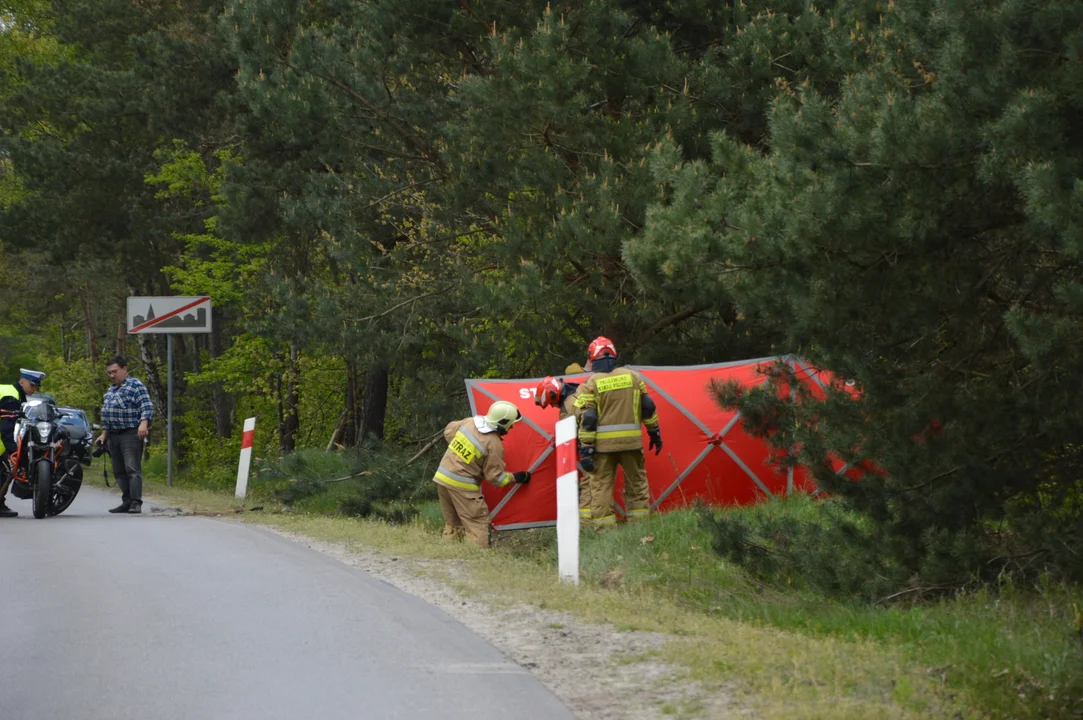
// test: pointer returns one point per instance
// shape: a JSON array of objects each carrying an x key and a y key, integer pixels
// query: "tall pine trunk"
[
  {"x": 375, "y": 407},
  {"x": 353, "y": 410},
  {"x": 63, "y": 340},
  {"x": 148, "y": 353},
  {"x": 223, "y": 402},
  {"x": 91, "y": 342},
  {"x": 288, "y": 420}
]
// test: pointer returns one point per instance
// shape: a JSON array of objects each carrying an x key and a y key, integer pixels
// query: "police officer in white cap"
[{"x": 12, "y": 398}]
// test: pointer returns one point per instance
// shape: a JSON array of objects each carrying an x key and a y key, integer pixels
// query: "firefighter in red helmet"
[
  {"x": 555, "y": 392},
  {"x": 614, "y": 402}
]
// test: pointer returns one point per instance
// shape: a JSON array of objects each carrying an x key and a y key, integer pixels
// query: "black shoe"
[
  {"x": 136, "y": 508},
  {"x": 5, "y": 511},
  {"x": 122, "y": 508}
]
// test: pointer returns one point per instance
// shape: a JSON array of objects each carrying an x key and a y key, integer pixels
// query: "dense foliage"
[{"x": 386, "y": 197}]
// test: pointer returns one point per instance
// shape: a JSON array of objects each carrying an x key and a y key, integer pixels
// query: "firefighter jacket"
[
  {"x": 618, "y": 399},
  {"x": 567, "y": 406},
  {"x": 11, "y": 401},
  {"x": 475, "y": 451}
]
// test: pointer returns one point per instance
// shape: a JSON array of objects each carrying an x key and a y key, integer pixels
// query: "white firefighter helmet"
[{"x": 503, "y": 415}]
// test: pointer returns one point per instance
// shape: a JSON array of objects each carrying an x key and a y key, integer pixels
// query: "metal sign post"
[
  {"x": 169, "y": 316},
  {"x": 169, "y": 413}
]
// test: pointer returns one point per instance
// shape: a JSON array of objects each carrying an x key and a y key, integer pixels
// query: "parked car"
[{"x": 81, "y": 431}]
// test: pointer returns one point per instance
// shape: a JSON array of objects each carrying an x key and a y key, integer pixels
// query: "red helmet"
[
  {"x": 547, "y": 394},
  {"x": 601, "y": 347}
]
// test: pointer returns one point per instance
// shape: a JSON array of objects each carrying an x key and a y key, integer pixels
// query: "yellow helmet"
[{"x": 503, "y": 415}]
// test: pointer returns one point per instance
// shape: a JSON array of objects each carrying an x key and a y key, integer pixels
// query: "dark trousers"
[
  {"x": 5, "y": 478},
  {"x": 126, "y": 450}
]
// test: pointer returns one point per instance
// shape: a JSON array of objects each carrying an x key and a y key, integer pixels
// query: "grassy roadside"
[{"x": 1010, "y": 654}]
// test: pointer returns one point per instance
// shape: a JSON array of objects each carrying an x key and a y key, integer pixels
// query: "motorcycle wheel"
[
  {"x": 43, "y": 489},
  {"x": 61, "y": 503}
]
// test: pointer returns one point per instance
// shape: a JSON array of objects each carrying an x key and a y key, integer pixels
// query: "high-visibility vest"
[{"x": 7, "y": 391}]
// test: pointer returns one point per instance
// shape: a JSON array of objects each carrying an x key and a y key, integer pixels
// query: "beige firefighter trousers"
[
  {"x": 585, "y": 480},
  {"x": 465, "y": 514},
  {"x": 637, "y": 494}
]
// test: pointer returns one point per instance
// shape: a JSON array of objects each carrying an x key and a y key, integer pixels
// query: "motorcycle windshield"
[{"x": 42, "y": 412}]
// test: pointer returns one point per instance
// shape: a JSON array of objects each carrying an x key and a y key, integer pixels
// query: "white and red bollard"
[
  {"x": 567, "y": 502},
  {"x": 246, "y": 457}
]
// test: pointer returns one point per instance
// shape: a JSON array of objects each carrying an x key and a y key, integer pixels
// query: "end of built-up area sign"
[{"x": 169, "y": 314}]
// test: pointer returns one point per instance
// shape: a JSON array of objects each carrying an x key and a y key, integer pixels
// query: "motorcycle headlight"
[{"x": 44, "y": 429}]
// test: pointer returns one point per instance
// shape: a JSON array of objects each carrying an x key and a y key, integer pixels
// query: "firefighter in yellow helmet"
[
  {"x": 475, "y": 452},
  {"x": 555, "y": 392},
  {"x": 614, "y": 402}
]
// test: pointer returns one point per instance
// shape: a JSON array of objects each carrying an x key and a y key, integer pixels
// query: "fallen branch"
[
  {"x": 363, "y": 473},
  {"x": 931, "y": 588},
  {"x": 435, "y": 439},
  {"x": 338, "y": 429},
  {"x": 1020, "y": 556}
]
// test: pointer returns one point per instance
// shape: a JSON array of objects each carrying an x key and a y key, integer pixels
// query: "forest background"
[{"x": 384, "y": 198}]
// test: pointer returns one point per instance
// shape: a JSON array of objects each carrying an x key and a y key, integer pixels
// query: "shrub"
[{"x": 374, "y": 481}]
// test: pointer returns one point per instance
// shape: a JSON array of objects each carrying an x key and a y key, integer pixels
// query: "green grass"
[
  {"x": 1012, "y": 651},
  {"x": 1007, "y": 653}
]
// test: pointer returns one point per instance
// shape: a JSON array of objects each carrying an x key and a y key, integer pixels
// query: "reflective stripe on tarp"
[{"x": 533, "y": 467}]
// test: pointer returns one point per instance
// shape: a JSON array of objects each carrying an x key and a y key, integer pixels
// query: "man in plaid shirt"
[{"x": 126, "y": 415}]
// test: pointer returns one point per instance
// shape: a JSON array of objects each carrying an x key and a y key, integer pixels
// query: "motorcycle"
[{"x": 45, "y": 465}]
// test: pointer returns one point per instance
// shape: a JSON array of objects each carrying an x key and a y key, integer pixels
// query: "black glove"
[
  {"x": 522, "y": 477},
  {"x": 656, "y": 441},
  {"x": 586, "y": 459}
]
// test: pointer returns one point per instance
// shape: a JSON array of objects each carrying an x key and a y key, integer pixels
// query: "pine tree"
[{"x": 915, "y": 229}]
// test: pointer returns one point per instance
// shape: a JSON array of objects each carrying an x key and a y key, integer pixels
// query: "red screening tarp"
[{"x": 707, "y": 455}]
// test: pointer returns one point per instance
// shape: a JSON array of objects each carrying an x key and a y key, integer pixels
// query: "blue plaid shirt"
[{"x": 125, "y": 406}]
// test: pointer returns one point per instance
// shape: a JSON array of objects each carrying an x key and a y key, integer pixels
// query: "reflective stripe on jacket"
[
  {"x": 617, "y": 396},
  {"x": 471, "y": 456},
  {"x": 569, "y": 408}
]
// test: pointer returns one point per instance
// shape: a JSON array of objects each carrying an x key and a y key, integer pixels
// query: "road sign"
[{"x": 169, "y": 314}]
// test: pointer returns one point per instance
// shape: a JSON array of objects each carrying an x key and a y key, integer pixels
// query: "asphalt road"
[{"x": 111, "y": 617}]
